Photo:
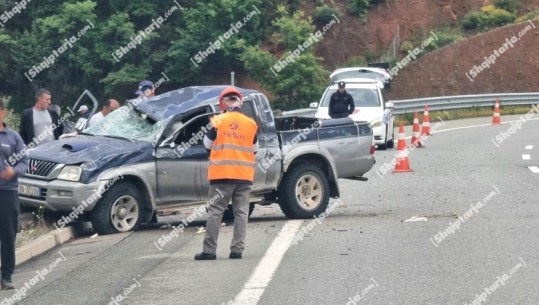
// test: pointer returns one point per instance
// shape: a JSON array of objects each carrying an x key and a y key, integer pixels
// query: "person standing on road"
[
  {"x": 341, "y": 103},
  {"x": 39, "y": 123},
  {"x": 232, "y": 141},
  {"x": 11, "y": 145},
  {"x": 109, "y": 106}
]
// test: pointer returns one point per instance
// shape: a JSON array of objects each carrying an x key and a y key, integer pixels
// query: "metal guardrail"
[
  {"x": 447, "y": 102},
  {"x": 464, "y": 101}
]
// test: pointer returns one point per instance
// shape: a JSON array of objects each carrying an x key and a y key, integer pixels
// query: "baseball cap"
[
  {"x": 82, "y": 108},
  {"x": 143, "y": 85},
  {"x": 342, "y": 84}
]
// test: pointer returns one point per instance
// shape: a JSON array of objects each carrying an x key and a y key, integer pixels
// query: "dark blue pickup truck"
[{"x": 147, "y": 158}]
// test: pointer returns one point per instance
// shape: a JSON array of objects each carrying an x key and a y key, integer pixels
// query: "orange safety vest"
[{"x": 232, "y": 155}]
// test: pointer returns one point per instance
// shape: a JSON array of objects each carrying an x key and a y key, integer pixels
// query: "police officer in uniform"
[{"x": 341, "y": 103}]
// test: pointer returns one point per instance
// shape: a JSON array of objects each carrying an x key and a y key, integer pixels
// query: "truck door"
[{"x": 182, "y": 164}]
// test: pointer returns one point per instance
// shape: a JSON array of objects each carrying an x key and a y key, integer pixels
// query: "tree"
[{"x": 296, "y": 78}]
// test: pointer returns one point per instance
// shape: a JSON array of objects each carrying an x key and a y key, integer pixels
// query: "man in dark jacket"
[
  {"x": 13, "y": 164},
  {"x": 341, "y": 103},
  {"x": 39, "y": 124}
]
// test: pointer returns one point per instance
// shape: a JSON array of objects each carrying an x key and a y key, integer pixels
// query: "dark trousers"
[
  {"x": 340, "y": 115},
  {"x": 9, "y": 219}
]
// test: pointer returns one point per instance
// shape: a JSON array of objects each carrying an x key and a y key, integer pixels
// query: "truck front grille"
[{"x": 40, "y": 168}]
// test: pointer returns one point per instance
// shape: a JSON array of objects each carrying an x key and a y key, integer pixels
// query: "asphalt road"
[{"x": 473, "y": 240}]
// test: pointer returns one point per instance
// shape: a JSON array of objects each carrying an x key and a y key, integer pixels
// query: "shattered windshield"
[{"x": 126, "y": 123}]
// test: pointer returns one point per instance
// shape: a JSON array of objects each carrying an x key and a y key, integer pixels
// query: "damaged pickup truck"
[{"x": 147, "y": 159}]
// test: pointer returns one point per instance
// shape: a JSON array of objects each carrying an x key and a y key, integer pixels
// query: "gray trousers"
[{"x": 219, "y": 197}]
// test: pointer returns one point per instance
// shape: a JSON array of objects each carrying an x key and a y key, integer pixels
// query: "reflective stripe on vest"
[{"x": 232, "y": 146}]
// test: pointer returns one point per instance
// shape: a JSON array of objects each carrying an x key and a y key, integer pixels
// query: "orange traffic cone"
[
  {"x": 416, "y": 139},
  {"x": 425, "y": 130},
  {"x": 496, "y": 116},
  {"x": 402, "y": 164}
]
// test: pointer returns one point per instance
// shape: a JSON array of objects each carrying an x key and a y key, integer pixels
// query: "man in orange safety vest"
[{"x": 232, "y": 141}]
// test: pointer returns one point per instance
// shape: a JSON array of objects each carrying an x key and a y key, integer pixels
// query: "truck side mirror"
[{"x": 313, "y": 105}]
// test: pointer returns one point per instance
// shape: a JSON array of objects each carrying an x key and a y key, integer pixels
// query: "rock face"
[{"x": 442, "y": 72}]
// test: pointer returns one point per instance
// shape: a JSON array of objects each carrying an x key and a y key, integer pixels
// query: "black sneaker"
[
  {"x": 203, "y": 256},
  {"x": 6, "y": 284},
  {"x": 234, "y": 255}
]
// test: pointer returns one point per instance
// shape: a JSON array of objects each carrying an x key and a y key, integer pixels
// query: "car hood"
[
  {"x": 95, "y": 153},
  {"x": 360, "y": 114}
]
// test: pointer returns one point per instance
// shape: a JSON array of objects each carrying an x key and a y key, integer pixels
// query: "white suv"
[{"x": 370, "y": 106}]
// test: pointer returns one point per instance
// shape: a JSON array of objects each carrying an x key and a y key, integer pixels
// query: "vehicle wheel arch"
[
  {"x": 327, "y": 168},
  {"x": 146, "y": 202}
]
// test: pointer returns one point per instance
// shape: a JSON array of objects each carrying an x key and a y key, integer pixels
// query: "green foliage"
[
  {"x": 497, "y": 18},
  {"x": 358, "y": 61},
  {"x": 472, "y": 20},
  {"x": 292, "y": 30},
  {"x": 407, "y": 46},
  {"x": 358, "y": 7},
  {"x": 529, "y": 16},
  {"x": 11, "y": 119},
  {"x": 295, "y": 82},
  {"x": 324, "y": 14},
  {"x": 511, "y": 6},
  {"x": 489, "y": 17},
  {"x": 447, "y": 37}
]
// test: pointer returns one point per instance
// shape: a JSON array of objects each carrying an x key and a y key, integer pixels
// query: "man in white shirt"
[{"x": 109, "y": 106}]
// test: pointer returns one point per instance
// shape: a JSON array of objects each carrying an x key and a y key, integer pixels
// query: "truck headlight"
[
  {"x": 376, "y": 123},
  {"x": 70, "y": 173}
]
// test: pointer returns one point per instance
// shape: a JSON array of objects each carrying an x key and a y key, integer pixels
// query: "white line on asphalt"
[
  {"x": 259, "y": 280},
  {"x": 534, "y": 169},
  {"x": 529, "y": 147},
  {"x": 526, "y": 157},
  {"x": 473, "y": 126}
]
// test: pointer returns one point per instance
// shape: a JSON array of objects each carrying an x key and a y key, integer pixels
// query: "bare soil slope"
[{"x": 444, "y": 71}]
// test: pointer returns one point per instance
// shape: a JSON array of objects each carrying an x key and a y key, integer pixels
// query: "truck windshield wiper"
[
  {"x": 85, "y": 133},
  {"x": 118, "y": 137}
]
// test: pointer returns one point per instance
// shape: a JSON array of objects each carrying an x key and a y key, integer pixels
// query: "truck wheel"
[
  {"x": 119, "y": 210},
  {"x": 304, "y": 192}
]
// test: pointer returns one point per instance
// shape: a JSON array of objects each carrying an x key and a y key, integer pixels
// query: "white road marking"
[
  {"x": 526, "y": 157},
  {"x": 259, "y": 280},
  {"x": 473, "y": 126},
  {"x": 534, "y": 169},
  {"x": 529, "y": 147}
]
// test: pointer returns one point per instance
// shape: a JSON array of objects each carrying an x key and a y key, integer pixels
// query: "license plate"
[{"x": 28, "y": 190}]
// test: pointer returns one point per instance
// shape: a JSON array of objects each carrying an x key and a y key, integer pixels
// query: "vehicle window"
[
  {"x": 247, "y": 109},
  {"x": 190, "y": 140},
  {"x": 127, "y": 123},
  {"x": 194, "y": 132},
  {"x": 363, "y": 97}
]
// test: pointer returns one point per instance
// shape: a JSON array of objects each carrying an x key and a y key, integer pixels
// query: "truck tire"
[
  {"x": 119, "y": 210},
  {"x": 304, "y": 192}
]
